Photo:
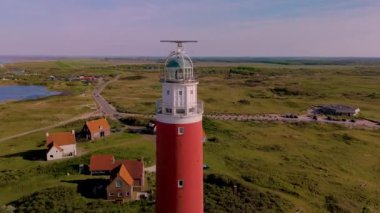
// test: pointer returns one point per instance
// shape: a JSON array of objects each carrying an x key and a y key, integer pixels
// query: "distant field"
[{"x": 260, "y": 89}]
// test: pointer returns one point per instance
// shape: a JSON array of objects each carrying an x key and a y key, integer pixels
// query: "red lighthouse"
[{"x": 179, "y": 177}]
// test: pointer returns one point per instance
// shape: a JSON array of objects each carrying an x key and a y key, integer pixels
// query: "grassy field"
[
  {"x": 21, "y": 116},
  {"x": 305, "y": 164},
  {"x": 276, "y": 167},
  {"x": 260, "y": 89}
]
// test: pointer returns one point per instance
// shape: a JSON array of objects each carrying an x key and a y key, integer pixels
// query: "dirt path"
[{"x": 83, "y": 116}]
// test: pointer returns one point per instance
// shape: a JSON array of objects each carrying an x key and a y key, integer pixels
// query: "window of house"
[
  {"x": 167, "y": 92},
  {"x": 118, "y": 183},
  {"x": 180, "y": 183},
  {"x": 191, "y": 92},
  {"x": 181, "y": 130},
  {"x": 102, "y": 134},
  {"x": 110, "y": 194},
  {"x": 51, "y": 156},
  {"x": 180, "y": 92},
  {"x": 120, "y": 194},
  {"x": 168, "y": 110},
  {"x": 127, "y": 194},
  {"x": 192, "y": 109}
]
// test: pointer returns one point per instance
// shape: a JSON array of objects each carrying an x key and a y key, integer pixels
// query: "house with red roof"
[
  {"x": 96, "y": 129},
  {"x": 125, "y": 176},
  {"x": 101, "y": 164},
  {"x": 120, "y": 187},
  {"x": 60, "y": 145}
]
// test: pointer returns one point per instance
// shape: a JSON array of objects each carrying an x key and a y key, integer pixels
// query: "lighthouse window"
[
  {"x": 180, "y": 183},
  {"x": 180, "y": 111},
  {"x": 181, "y": 130}
]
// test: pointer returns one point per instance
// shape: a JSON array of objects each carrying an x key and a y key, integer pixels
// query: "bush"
[
  {"x": 65, "y": 199},
  {"x": 244, "y": 101},
  {"x": 332, "y": 204},
  {"x": 135, "y": 121},
  {"x": 223, "y": 194},
  {"x": 133, "y": 78}
]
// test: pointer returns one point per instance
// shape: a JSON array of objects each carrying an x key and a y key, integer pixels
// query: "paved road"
[{"x": 104, "y": 107}]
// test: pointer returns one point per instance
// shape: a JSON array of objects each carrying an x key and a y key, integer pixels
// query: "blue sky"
[{"x": 223, "y": 27}]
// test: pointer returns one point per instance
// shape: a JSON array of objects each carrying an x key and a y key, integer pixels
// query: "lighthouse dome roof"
[{"x": 178, "y": 61}]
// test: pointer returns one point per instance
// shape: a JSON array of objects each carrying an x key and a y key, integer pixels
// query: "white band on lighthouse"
[{"x": 178, "y": 120}]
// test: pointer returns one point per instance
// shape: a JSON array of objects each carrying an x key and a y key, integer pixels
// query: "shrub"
[
  {"x": 223, "y": 194},
  {"x": 244, "y": 101},
  {"x": 331, "y": 204},
  {"x": 135, "y": 121}
]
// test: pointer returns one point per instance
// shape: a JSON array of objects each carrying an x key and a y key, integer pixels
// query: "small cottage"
[
  {"x": 126, "y": 176},
  {"x": 101, "y": 164},
  {"x": 96, "y": 129},
  {"x": 120, "y": 187},
  {"x": 60, "y": 145}
]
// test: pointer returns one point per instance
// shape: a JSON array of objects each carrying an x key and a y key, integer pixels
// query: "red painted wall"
[{"x": 179, "y": 157}]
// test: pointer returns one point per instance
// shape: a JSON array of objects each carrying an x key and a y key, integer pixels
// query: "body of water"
[{"x": 17, "y": 92}]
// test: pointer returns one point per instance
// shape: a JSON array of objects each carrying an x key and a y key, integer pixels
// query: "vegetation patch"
[
  {"x": 224, "y": 194},
  {"x": 135, "y": 121},
  {"x": 332, "y": 205},
  {"x": 66, "y": 199},
  {"x": 133, "y": 78},
  {"x": 283, "y": 91},
  {"x": 10, "y": 176}
]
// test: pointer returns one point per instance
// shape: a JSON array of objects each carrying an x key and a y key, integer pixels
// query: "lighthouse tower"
[{"x": 179, "y": 180}]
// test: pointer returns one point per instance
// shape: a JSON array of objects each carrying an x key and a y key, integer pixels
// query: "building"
[
  {"x": 104, "y": 164},
  {"x": 338, "y": 109},
  {"x": 96, "y": 129},
  {"x": 179, "y": 138},
  {"x": 101, "y": 164},
  {"x": 127, "y": 179},
  {"x": 60, "y": 145},
  {"x": 120, "y": 187},
  {"x": 88, "y": 79}
]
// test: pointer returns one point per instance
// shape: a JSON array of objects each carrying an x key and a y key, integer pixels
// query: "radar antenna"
[{"x": 179, "y": 43}]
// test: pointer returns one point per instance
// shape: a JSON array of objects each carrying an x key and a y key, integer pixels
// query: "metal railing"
[{"x": 162, "y": 109}]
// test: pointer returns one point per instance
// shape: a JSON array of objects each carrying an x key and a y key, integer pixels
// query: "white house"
[{"x": 60, "y": 145}]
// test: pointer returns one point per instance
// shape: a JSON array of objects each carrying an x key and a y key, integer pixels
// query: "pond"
[{"x": 18, "y": 92}]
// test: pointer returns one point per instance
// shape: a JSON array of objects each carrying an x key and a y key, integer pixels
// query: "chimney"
[
  {"x": 73, "y": 132},
  {"x": 47, "y": 134}
]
